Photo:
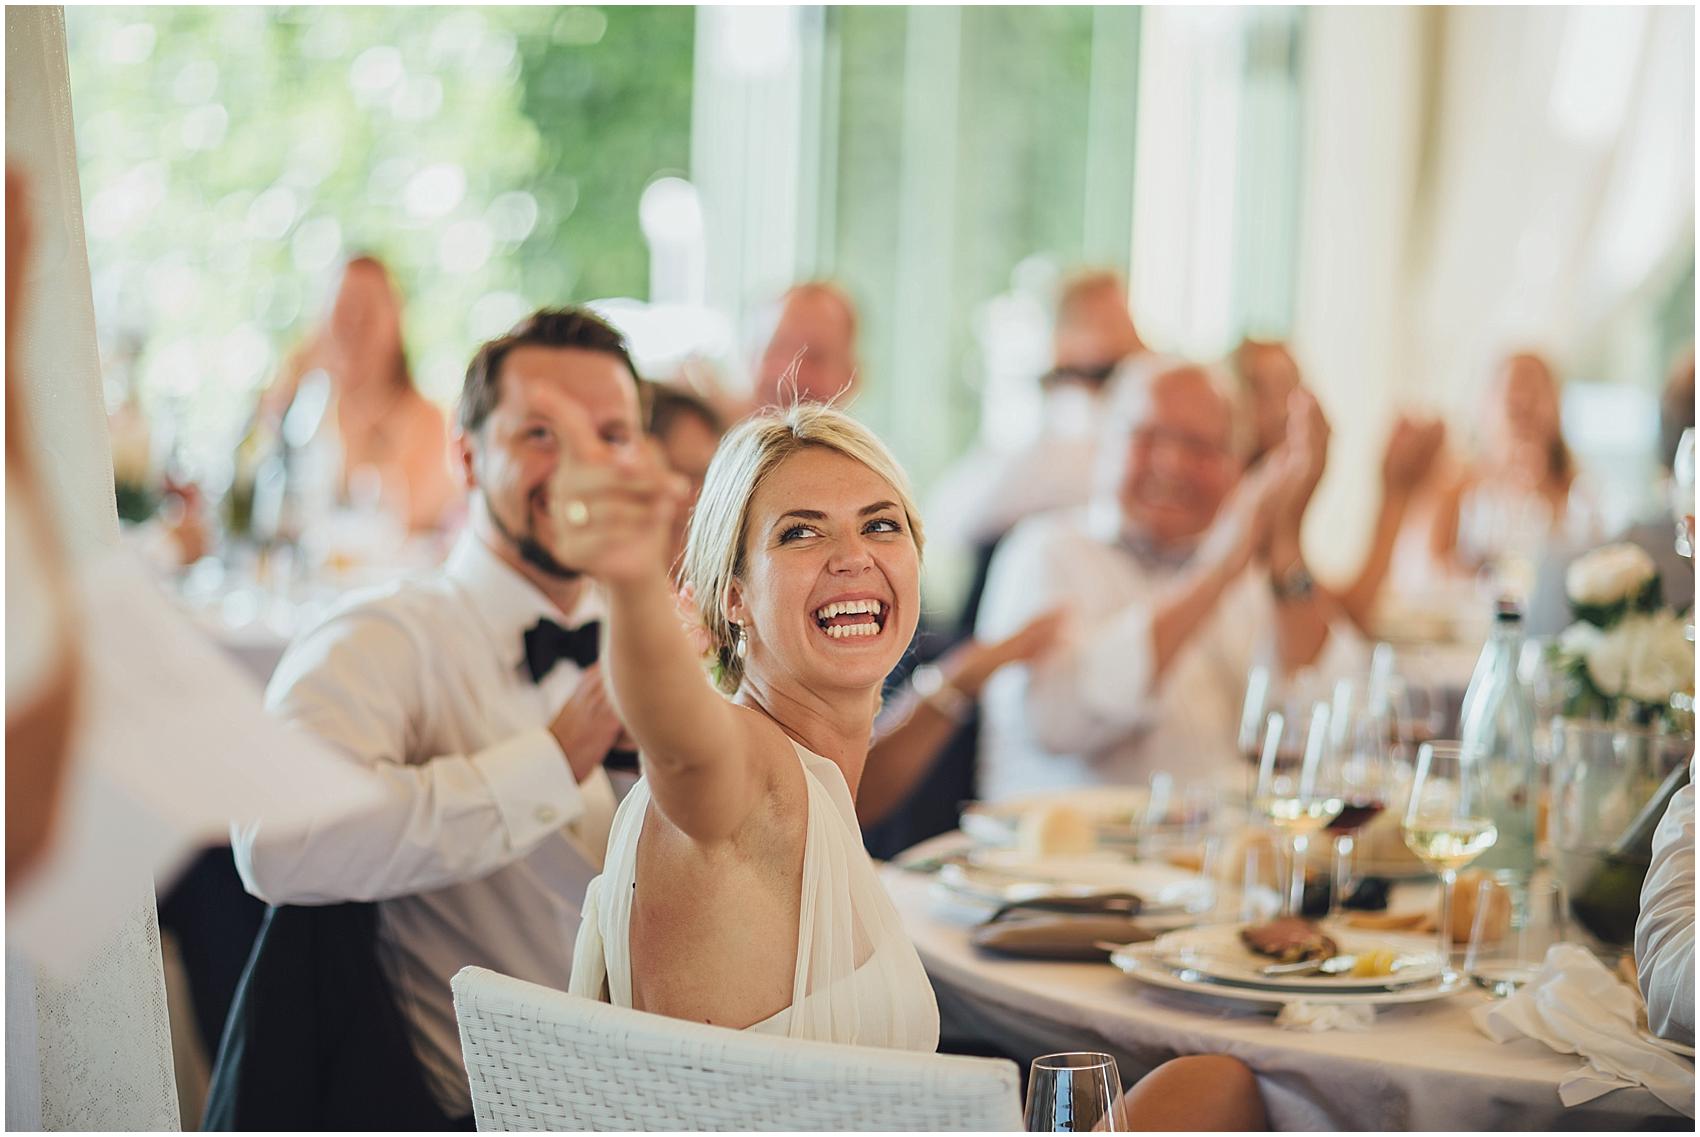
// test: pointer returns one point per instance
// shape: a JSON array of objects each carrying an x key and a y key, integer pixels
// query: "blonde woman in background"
[
  {"x": 736, "y": 890},
  {"x": 1522, "y": 489},
  {"x": 376, "y": 417}
]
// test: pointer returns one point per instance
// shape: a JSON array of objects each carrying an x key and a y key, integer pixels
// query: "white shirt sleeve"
[
  {"x": 1664, "y": 933},
  {"x": 1093, "y": 689},
  {"x": 360, "y": 683}
]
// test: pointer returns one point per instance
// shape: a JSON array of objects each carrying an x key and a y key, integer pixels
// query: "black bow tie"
[{"x": 547, "y": 643}]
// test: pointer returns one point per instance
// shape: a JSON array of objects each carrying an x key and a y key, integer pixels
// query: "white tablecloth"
[{"x": 1420, "y": 1067}]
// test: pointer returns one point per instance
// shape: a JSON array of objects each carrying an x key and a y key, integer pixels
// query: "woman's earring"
[{"x": 742, "y": 648}]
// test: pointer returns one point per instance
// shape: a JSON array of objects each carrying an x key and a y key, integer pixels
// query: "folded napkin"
[
  {"x": 1578, "y": 1007},
  {"x": 1314, "y": 1018},
  {"x": 1059, "y": 937}
]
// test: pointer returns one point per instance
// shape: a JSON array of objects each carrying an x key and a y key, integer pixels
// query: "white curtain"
[
  {"x": 1477, "y": 180},
  {"x": 91, "y": 1053}
]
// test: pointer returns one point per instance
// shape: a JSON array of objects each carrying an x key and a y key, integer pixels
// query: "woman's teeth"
[{"x": 854, "y": 618}]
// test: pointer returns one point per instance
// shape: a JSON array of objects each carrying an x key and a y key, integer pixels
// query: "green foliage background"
[{"x": 231, "y": 157}]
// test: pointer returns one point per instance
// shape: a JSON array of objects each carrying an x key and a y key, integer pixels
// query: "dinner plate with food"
[
  {"x": 999, "y": 877},
  {"x": 1294, "y": 954},
  {"x": 1141, "y": 962}
]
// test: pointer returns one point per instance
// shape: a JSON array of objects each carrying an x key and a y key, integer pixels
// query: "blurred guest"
[
  {"x": 482, "y": 713},
  {"x": 1549, "y": 608},
  {"x": 1664, "y": 932},
  {"x": 1268, "y": 375},
  {"x": 1521, "y": 490},
  {"x": 811, "y": 355},
  {"x": 985, "y": 493},
  {"x": 41, "y": 660},
  {"x": 377, "y": 418},
  {"x": 1094, "y": 326},
  {"x": 1180, "y": 573},
  {"x": 688, "y": 429}
]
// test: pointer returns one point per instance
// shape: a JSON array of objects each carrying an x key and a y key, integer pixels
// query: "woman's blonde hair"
[{"x": 714, "y": 541}]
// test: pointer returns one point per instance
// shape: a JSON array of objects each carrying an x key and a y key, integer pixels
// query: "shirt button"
[{"x": 546, "y": 814}]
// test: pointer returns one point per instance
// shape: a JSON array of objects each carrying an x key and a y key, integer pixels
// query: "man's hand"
[
  {"x": 586, "y": 726},
  {"x": 610, "y": 508},
  {"x": 1410, "y": 454},
  {"x": 1032, "y": 640},
  {"x": 1302, "y": 457}
]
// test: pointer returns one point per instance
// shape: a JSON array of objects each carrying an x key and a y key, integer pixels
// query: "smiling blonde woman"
[{"x": 736, "y": 890}]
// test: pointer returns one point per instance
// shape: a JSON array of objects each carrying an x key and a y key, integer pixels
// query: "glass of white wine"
[
  {"x": 1301, "y": 797},
  {"x": 1447, "y": 823}
]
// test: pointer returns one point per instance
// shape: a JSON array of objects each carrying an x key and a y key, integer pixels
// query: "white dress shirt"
[
  {"x": 1092, "y": 713},
  {"x": 1664, "y": 933},
  {"x": 484, "y": 844}
]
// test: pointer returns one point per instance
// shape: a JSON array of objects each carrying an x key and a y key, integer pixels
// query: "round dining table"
[{"x": 1421, "y": 1066}]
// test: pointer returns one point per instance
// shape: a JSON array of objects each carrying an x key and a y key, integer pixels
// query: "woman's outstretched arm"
[{"x": 611, "y": 513}]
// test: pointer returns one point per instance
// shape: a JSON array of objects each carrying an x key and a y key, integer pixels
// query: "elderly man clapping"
[{"x": 1182, "y": 573}]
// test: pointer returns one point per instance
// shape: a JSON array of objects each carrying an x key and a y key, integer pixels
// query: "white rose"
[
  {"x": 1609, "y": 574},
  {"x": 1579, "y": 639},
  {"x": 1647, "y": 658}
]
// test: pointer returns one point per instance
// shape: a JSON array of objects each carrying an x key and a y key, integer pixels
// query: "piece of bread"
[
  {"x": 1466, "y": 896},
  {"x": 1055, "y": 831}
]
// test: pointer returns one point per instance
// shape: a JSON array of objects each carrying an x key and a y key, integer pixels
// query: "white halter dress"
[{"x": 887, "y": 1001}]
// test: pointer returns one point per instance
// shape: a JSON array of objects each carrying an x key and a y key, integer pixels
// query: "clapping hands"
[{"x": 1410, "y": 454}]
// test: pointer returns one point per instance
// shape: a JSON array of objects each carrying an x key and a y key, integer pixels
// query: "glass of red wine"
[{"x": 1365, "y": 773}]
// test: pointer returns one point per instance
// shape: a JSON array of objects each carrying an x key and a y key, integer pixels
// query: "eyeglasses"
[{"x": 1195, "y": 447}]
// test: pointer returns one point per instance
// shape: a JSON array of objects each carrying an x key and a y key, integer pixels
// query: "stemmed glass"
[
  {"x": 1298, "y": 797},
  {"x": 1447, "y": 822},
  {"x": 1073, "y": 1093},
  {"x": 1365, "y": 778}
]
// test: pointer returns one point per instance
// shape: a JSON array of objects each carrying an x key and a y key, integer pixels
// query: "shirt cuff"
[
  {"x": 1115, "y": 668},
  {"x": 532, "y": 784}
]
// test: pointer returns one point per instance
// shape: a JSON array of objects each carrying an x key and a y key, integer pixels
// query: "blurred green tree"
[{"x": 232, "y": 157}]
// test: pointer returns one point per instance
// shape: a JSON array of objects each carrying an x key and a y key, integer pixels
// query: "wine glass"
[
  {"x": 1364, "y": 772},
  {"x": 1506, "y": 953},
  {"x": 1447, "y": 823},
  {"x": 1299, "y": 795},
  {"x": 1073, "y": 1093},
  {"x": 1254, "y": 712}
]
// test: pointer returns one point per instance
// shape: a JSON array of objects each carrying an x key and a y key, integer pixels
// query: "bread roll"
[{"x": 1055, "y": 831}]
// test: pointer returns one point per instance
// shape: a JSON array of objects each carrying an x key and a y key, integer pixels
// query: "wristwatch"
[
  {"x": 940, "y": 693},
  {"x": 1295, "y": 583}
]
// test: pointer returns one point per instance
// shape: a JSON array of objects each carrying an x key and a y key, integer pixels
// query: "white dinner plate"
[
  {"x": 1004, "y": 876},
  {"x": 1217, "y": 953},
  {"x": 1112, "y": 812},
  {"x": 1141, "y": 962}
]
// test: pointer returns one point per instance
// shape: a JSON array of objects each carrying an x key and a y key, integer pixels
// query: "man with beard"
[
  {"x": 1180, "y": 575},
  {"x": 472, "y": 697}
]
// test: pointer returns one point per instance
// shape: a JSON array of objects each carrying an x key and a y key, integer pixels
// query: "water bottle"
[{"x": 1497, "y": 727}]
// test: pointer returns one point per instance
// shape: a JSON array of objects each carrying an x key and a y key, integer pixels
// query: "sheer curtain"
[{"x": 92, "y": 1052}]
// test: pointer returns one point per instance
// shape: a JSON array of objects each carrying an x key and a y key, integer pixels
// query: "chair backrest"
[{"x": 542, "y": 1059}]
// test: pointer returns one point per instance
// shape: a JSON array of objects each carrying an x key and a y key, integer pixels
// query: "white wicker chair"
[{"x": 541, "y": 1059}]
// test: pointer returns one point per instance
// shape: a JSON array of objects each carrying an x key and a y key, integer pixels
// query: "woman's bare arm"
[{"x": 708, "y": 762}]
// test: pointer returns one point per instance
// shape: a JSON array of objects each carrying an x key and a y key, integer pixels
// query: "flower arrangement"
[{"x": 1627, "y": 654}]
